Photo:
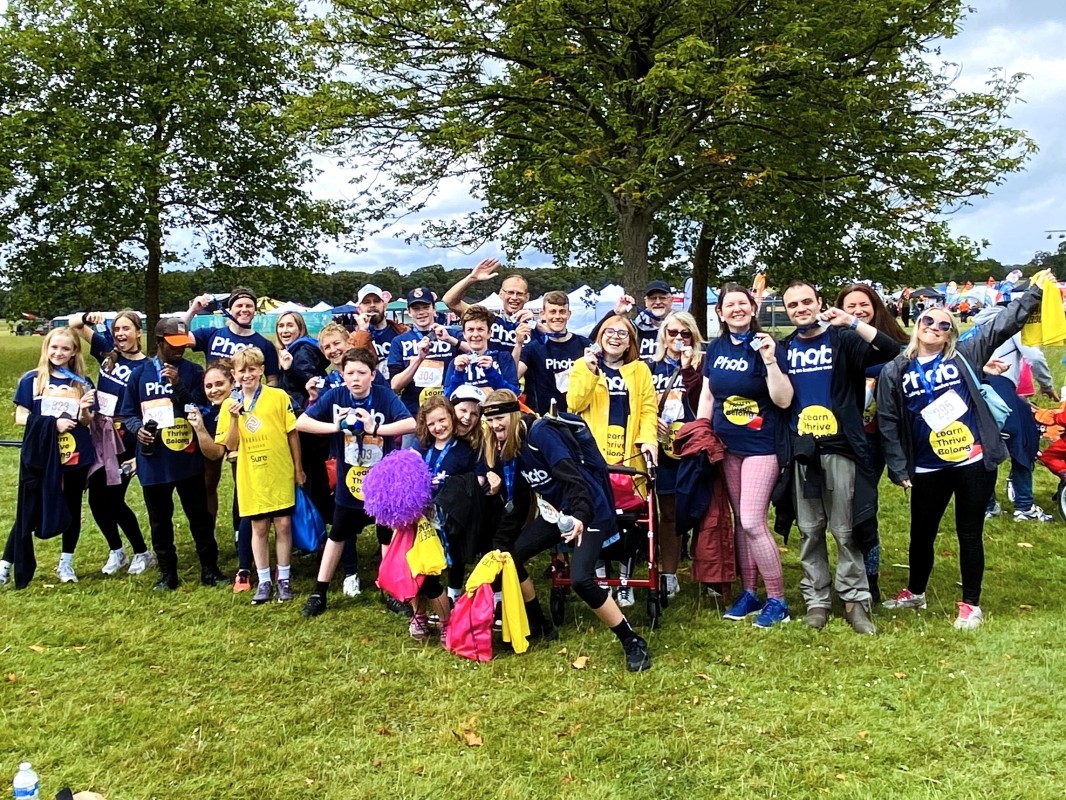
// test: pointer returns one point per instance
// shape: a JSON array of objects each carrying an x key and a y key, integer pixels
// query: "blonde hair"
[
  {"x": 301, "y": 326},
  {"x": 248, "y": 357},
  {"x": 911, "y": 351},
  {"x": 514, "y": 430},
  {"x": 689, "y": 322},
  {"x": 332, "y": 329},
  {"x": 632, "y": 352},
  {"x": 75, "y": 365}
]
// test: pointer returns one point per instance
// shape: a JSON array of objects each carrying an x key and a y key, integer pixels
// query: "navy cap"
[
  {"x": 420, "y": 294},
  {"x": 657, "y": 286}
]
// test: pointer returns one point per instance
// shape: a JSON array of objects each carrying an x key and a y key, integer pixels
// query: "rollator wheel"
[
  {"x": 664, "y": 595},
  {"x": 557, "y": 605},
  {"x": 654, "y": 612}
]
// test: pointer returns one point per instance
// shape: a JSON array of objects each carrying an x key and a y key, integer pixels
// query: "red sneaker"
[{"x": 243, "y": 581}]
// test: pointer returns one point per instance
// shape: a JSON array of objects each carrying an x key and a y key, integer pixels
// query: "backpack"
[{"x": 584, "y": 452}]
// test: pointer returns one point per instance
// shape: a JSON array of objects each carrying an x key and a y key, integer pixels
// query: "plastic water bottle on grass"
[{"x": 25, "y": 783}]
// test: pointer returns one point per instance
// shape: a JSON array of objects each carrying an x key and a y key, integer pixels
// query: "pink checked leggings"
[{"x": 750, "y": 480}]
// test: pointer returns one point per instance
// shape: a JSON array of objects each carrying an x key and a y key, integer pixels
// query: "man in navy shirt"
[
  {"x": 545, "y": 365},
  {"x": 236, "y": 334},
  {"x": 513, "y": 327},
  {"x": 419, "y": 357},
  {"x": 371, "y": 301},
  {"x": 163, "y": 391},
  {"x": 827, "y": 359}
]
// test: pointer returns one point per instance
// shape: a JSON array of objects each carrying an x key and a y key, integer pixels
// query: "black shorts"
[
  {"x": 348, "y": 523},
  {"x": 281, "y": 512}
]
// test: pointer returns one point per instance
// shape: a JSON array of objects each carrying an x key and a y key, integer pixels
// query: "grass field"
[{"x": 106, "y": 685}]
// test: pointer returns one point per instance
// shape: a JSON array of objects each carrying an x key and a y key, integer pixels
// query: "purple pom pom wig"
[{"x": 397, "y": 489}]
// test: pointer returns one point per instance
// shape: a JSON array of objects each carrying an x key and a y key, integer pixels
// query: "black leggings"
[
  {"x": 971, "y": 485},
  {"x": 539, "y": 536},
  {"x": 109, "y": 508},
  {"x": 73, "y": 487}
]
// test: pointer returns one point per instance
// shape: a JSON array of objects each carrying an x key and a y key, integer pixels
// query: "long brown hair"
[
  {"x": 882, "y": 320},
  {"x": 108, "y": 364},
  {"x": 632, "y": 352},
  {"x": 438, "y": 402}
]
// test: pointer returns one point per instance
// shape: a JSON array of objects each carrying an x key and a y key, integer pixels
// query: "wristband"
[
  {"x": 854, "y": 323},
  {"x": 377, "y": 425}
]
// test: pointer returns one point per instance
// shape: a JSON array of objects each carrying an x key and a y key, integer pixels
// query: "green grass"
[{"x": 109, "y": 686}]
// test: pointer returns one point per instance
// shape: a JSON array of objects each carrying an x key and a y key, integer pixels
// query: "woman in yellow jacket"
[{"x": 613, "y": 391}]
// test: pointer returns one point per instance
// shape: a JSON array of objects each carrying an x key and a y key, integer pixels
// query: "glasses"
[
  {"x": 615, "y": 333},
  {"x": 673, "y": 333},
  {"x": 929, "y": 322}
]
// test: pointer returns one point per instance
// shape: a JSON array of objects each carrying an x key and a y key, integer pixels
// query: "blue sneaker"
[
  {"x": 746, "y": 605},
  {"x": 773, "y": 612}
]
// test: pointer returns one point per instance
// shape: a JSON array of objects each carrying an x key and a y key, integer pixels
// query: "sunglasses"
[
  {"x": 615, "y": 333},
  {"x": 942, "y": 325},
  {"x": 674, "y": 333}
]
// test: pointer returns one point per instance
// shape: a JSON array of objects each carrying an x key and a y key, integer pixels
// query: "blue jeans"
[{"x": 1021, "y": 479}]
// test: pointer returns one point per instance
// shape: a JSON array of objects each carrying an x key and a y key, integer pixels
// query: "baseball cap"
[
  {"x": 369, "y": 289},
  {"x": 420, "y": 294},
  {"x": 468, "y": 392},
  {"x": 174, "y": 332},
  {"x": 657, "y": 286}
]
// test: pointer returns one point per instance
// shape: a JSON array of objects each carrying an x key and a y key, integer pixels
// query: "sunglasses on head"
[
  {"x": 673, "y": 333},
  {"x": 942, "y": 325}
]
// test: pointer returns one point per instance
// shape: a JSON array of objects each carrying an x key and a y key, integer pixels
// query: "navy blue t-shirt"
[
  {"x": 810, "y": 368},
  {"x": 617, "y": 415},
  {"x": 111, "y": 386},
  {"x": 548, "y": 366},
  {"x": 354, "y": 460},
  {"x": 428, "y": 379},
  {"x": 456, "y": 458},
  {"x": 954, "y": 445},
  {"x": 501, "y": 374},
  {"x": 176, "y": 455},
  {"x": 224, "y": 343},
  {"x": 61, "y": 398},
  {"x": 744, "y": 416},
  {"x": 382, "y": 339}
]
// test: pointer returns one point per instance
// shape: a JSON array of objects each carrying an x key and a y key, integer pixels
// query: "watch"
[{"x": 854, "y": 323}]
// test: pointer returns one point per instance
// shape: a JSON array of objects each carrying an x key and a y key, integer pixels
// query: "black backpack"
[{"x": 581, "y": 444}]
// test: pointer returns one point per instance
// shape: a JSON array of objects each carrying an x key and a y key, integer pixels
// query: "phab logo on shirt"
[
  {"x": 535, "y": 477},
  {"x": 810, "y": 358},
  {"x": 223, "y": 347},
  {"x": 558, "y": 364},
  {"x": 946, "y": 374},
  {"x": 731, "y": 364},
  {"x": 121, "y": 373},
  {"x": 155, "y": 388},
  {"x": 616, "y": 384},
  {"x": 501, "y": 334}
]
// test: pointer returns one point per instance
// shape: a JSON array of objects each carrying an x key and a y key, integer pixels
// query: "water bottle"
[
  {"x": 25, "y": 783},
  {"x": 565, "y": 524},
  {"x": 151, "y": 426}
]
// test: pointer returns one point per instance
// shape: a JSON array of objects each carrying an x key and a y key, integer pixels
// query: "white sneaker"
[
  {"x": 5, "y": 572},
  {"x": 1034, "y": 513},
  {"x": 625, "y": 597},
  {"x": 970, "y": 617},
  {"x": 116, "y": 560},
  {"x": 996, "y": 511},
  {"x": 65, "y": 571},
  {"x": 673, "y": 588},
  {"x": 906, "y": 599},
  {"x": 351, "y": 586},
  {"x": 142, "y": 562}
]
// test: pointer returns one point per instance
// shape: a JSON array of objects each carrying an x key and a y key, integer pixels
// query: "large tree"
[
  {"x": 618, "y": 127},
  {"x": 136, "y": 132}
]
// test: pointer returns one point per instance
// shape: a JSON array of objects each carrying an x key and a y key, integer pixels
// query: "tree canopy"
[
  {"x": 134, "y": 132},
  {"x": 816, "y": 137}
]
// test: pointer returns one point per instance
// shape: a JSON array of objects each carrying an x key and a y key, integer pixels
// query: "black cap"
[
  {"x": 420, "y": 294},
  {"x": 657, "y": 286},
  {"x": 238, "y": 293}
]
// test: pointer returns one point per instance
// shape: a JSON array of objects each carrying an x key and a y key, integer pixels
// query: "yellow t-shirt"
[{"x": 266, "y": 480}]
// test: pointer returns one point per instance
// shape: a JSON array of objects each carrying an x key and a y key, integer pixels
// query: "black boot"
[
  {"x": 212, "y": 576},
  {"x": 875, "y": 589},
  {"x": 168, "y": 582}
]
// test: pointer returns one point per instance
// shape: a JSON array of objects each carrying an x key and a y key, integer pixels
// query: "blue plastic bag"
[{"x": 308, "y": 527}]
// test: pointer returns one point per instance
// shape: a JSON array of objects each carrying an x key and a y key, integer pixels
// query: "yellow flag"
[{"x": 1047, "y": 324}]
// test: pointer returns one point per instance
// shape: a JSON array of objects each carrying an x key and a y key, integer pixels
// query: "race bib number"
[
  {"x": 943, "y": 411},
  {"x": 673, "y": 408},
  {"x": 818, "y": 421},
  {"x": 67, "y": 446},
  {"x": 60, "y": 406},
  {"x": 743, "y": 412},
  {"x": 954, "y": 444},
  {"x": 161, "y": 410},
  {"x": 562, "y": 381},
  {"x": 177, "y": 436},
  {"x": 547, "y": 511},
  {"x": 107, "y": 403},
  {"x": 429, "y": 373},
  {"x": 366, "y": 455}
]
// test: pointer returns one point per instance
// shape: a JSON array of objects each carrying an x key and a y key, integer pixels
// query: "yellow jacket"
[
  {"x": 587, "y": 396},
  {"x": 515, "y": 622}
]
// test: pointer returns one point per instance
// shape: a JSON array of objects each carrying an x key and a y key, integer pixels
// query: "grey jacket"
[{"x": 894, "y": 419}]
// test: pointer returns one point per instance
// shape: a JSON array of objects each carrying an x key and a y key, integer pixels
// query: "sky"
[{"x": 1014, "y": 35}]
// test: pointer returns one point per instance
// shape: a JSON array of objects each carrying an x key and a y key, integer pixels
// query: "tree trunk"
[
  {"x": 634, "y": 227},
  {"x": 701, "y": 259},
  {"x": 153, "y": 236}
]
